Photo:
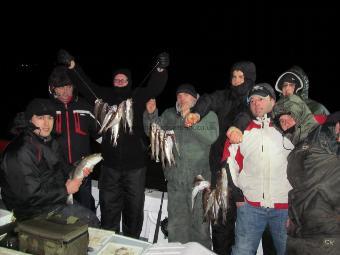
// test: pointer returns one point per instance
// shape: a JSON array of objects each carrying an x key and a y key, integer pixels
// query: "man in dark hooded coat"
[
  {"x": 227, "y": 104},
  {"x": 122, "y": 178},
  {"x": 314, "y": 172}
]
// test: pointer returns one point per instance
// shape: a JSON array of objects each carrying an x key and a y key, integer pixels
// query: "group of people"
[{"x": 281, "y": 156}]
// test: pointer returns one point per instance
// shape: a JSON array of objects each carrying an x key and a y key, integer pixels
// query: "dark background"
[{"x": 203, "y": 40}]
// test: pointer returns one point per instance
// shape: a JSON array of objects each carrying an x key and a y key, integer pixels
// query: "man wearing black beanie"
[{"x": 75, "y": 125}]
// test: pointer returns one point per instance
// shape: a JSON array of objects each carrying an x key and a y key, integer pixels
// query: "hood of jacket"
[
  {"x": 303, "y": 82},
  {"x": 298, "y": 109},
  {"x": 249, "y": 71}
]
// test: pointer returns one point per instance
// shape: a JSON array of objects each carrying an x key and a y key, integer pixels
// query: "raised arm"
[
  {"x": 206, "y": 103},
  {"x": 80, "y": 80},
  {"x": 157, "y": 80}
]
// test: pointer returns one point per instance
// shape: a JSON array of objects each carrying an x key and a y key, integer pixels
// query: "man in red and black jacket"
[{"x": 75, "y": 124}]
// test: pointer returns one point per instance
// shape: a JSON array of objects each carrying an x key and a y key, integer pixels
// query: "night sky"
[{"x": 203, "y": 42}]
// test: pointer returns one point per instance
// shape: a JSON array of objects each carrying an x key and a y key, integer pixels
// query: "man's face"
[
  {"x": 288, "y": 88},
  {"x": 287, "y": 121},
  {"x": 65, "y": 93},
  {"x": 120, "y": 80},
  {"x": 185, "y": 100},
  {"x": 337, "y": 131},
  {"x": 237, "y": 78},
  {"x": 259, "y": 105},
  {"x": 44, "y": 124}
]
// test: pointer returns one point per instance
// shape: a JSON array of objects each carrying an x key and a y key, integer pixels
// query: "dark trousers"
[
  {"x": 84, "y": 195},
  {"x": 223, "y": 235},
  {"x": 121, "y": 194}
]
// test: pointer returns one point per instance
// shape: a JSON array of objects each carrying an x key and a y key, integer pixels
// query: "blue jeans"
[{"x": 250, "y": 224}]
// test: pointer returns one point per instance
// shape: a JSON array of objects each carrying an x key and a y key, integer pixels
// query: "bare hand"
[
  {"x": 87, "y": 171},
  {"x": 234, "y": 135},
  {"x": 191, "y": 119},
  {"x": 151, "y": 105},
  {"x": 72, "y": 186}
]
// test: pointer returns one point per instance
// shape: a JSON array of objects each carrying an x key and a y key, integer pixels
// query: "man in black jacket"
[
  {"x": 122, "y": 179},
  {"x": 32, "y": 170},
  {"x": 314, "y": 172},
  {"x": 227, "y": 104},
  {"x": 75, "y": 125}
]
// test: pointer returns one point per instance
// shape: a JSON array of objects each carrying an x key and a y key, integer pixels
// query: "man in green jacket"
[{"x": 184, "y": 224}]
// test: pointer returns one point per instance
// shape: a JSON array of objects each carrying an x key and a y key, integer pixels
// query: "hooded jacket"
[
  {"x": 130, "y": 152},
  {"x": 32, "y": 175},
  {"x": 313, "y": 171},
  {"x": 227, "y": 104},
  {"x": 302, "y": 88}
]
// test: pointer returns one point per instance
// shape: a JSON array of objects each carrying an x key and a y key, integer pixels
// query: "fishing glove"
[
  {"x": 163, "y": 60},
  {"x": 64, "y": 57}
]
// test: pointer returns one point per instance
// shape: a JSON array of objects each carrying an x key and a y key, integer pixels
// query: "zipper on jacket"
[{"x": 68, "y": 135}]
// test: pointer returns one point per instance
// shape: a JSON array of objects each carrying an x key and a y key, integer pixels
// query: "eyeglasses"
[{"x": 120, "y": 80}]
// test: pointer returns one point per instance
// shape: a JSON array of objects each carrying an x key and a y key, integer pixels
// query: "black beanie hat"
[
  {"x": 59, "y": 77},
  {"x": 39, "y": 107},
  {"x": 187, "y": 88}
]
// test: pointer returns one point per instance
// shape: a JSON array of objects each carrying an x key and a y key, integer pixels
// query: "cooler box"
[
  {"x": 44, "y": 236},
  {"x": 151, "y": 209},
  {"x": 5, "y": 251}
]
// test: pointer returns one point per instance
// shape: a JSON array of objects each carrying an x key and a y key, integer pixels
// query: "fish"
[
  {"x": 116, "y": 124},
  {"x": 173, "y": 136},
  {"x": 157, "y": 143},
  {"x": 199, "y": 184},
  {"x": 210, "y": 206},
  {"x": 112, "y": 111},
  {"x": 168, "y": 145},
  {"x": 98, "y": 107},
  {"x": 161, "y": 146},
  {"x": 129, "y": 114},
  {"x": 122, "y": 105},
  {"x": 153, "y": 130},
  {"x": 222, "y": 182},
  {"x": 103, "y": 112},
  {"x": 205, "y": 199},
  {"x": 115, "y": 117},
  {"x": 87, "y": 162}
]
